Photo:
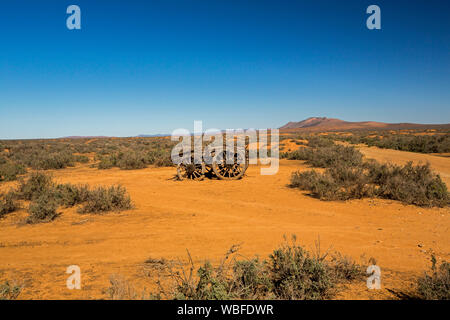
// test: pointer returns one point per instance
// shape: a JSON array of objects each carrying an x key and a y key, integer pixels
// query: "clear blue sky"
[{"x": 144, "y": 67}]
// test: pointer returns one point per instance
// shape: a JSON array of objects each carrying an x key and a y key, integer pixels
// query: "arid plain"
[{"x": 207, "y": 217}]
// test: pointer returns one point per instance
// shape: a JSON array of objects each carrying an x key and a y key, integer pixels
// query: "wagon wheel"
[
  {"x": 233, "y": 171},
  {"x": 191, "y": 171}
]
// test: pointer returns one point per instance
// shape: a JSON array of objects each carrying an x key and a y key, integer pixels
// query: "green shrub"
[
  {"x": 42, "y": 209},
  {"x": 10, "y": 170},
  {"x": 101, "y": 199},
  {"x": 106, "y": 163},
  {"x": 295, "y": 274},
  {"x": 319, "y": 142},
  {"x": 8, "y": 203},
  {"x": 321, "y": 186},
  {"x": 81, "y": 158},
  {"x": 435, "y": 286},
  {"x": 251, "y": 280},
  {"x": 47, "y": 161},
  {"x": 37, "y": 184},
  {"x": 290, "y": 272},
  {"x": 410, "y": 184},
  {"x": 70, "y": 195},
  {"x": 131, "y": 161},
  {"x": 326, "y": 157},
  {"x": 346, "y": 269}
]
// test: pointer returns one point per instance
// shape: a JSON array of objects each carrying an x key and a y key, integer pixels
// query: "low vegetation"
[
  {"x": 42, "y": 209},
  {"x": 348, "y": 176},
  {"x": 8, "y": 203},
  {"x": 101, "y": 199},
  {"x": 126, "y": 153},
  {"x": 325, "y": 157},
  {"x": 412, "y": 141},
  {"x": 10, "y": 170},
  {"x": 9, "y": 291},
  {"x": 436, "y": 284},
  {"x": 45, "y": 196},
  {"x": 290, "y": 272}
]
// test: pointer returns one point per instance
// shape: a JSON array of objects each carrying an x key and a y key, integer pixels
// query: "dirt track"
[{"x": 207, "y": 218}]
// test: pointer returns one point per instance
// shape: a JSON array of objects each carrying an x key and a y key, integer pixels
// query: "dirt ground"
[{"x": 208, "y": 217}]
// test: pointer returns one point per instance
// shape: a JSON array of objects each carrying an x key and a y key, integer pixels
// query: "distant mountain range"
[{"x": 324, "y": 123}]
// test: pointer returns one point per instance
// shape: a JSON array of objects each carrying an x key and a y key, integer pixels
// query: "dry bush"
[
  {"x": 297, "y": 274},
  {"x": 436, "y": 143},
  {"x": 37, "y": 184},
  {"x": 8, "y": 203},
  {"x": 345, "y": 268},
  {"x": 70, "y": 195},
  {"x": 336, "y": 183},
  {"x": 10, "y": 170},
  {"x": 121, "y": 289},
  {"x": 319, "y": 142},
  {"x": 348, "y": 177},
  {"x": 410, "y": 184},
  {"x": 326, "y": 157},
  {"x": 102, "y": 199},
  {"x": 290, "y": 272},
  {"x": 435, "y": 286},
  {"x": 42, "y": 209},
  {"x": 9, "y": 291}
]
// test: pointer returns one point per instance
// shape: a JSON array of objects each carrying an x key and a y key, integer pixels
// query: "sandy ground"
[{"x": 208, "y": 217}]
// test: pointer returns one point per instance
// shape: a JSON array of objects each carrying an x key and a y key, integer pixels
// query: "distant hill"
[
  {"x": 324, "y": 123},
  {"x": 84, "y": 137}
]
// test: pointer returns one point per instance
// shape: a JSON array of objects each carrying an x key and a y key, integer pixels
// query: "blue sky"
[{"x": 145, "y": 67}]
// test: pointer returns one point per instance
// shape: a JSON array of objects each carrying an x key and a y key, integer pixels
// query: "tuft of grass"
[
  {"x": 436, "y": 285},
  {"x": 101, "y": 199},
  {"x": 9, "y": 291},
  {"x": 345, "y": 268}
]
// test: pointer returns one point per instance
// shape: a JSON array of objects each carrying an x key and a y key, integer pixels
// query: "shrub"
[
  {"x": 295, "y": 274},
  {"x": 345, "y": 269},
  {"x": 70, "y": 195},
  {"x": 7, "y": 203},
  {"x": 106, "y": 163},
  {"x": 42, "y": 209},
  {"x": 435, "y": 286},
  {"x": 251, "y": 279},
  {"x": 120, "y": 289},
  {"x": 81, "y": 158},
  {"x": 37, "y": 184},
  {"x": 348, "y": 177},
  {"x": 47, "y": 161},
  {"x": 321, "y": 186},
  {"x": 10, "y": 170},
  {"x": 9, "y": 291},
  {"x": 410, "y": 184},
  {"x": 101, "y": 199},
  {"x": 319, "y": 142},
  {"x": 132, "y": 160},
  {"x": 290, "y": 272},
  {"x": 328, "y": 156}
]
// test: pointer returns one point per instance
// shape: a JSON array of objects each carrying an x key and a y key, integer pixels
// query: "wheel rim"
[{"x": 232, "y": 171}]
